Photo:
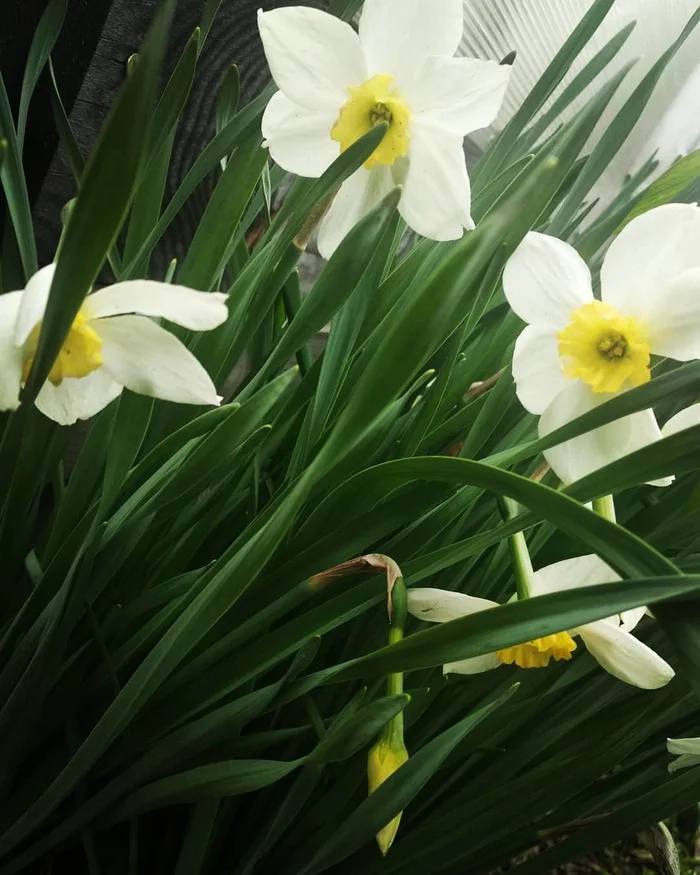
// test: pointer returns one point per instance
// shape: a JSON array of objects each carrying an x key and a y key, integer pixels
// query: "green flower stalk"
[{"x": 389, "y": 753}]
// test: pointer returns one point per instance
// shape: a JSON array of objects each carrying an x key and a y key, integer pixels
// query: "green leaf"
[
  {"x": 237, "y": 131},
  {"x": 336, "y": 283},
  {"x": 15, "y": 187},
  {"x": 44, "y": 40},
  {"x": 398, "y": 791},
  {"x": 217, "y": 233},
  {"x": 552, "y": 76},
  {"x": 146, "y": 209},
  {"x": 229, "y": 97},
  {"x": 668, "y": 186},
  {"x": 619, "y": 129},
  {"x": 510, "y": 624},
  {"x": 674, "y": 795},
  {"x": 227, "y": 778},
  {"x": 358, "y": 731}
]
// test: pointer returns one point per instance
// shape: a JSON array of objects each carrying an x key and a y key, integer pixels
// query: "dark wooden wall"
[{"x": 90, "y": 60}]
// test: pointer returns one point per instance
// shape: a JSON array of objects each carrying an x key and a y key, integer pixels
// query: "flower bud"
[{"x": 383, "y": 760}]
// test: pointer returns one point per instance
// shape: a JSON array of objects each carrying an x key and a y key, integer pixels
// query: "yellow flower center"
[
  {"x": 537, "y": 653},
  {"x": 369, "y": 104},
  {"x": 604, "y": 348},
  {"x": 79, "y": 355}
]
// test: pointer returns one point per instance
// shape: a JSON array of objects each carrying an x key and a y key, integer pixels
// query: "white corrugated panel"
[{"x": 536, "y": 29}]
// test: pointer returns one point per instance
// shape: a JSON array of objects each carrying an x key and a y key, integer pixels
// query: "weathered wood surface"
[{"x": 99, "y": 65}]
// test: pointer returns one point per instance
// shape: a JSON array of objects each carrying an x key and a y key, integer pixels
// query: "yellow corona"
[
  {"x": 604, "y": 348},
  {"x": 80, "y": 353},
  {"x": 371, "y": 103},
  {"x": 537, "y": 653}
]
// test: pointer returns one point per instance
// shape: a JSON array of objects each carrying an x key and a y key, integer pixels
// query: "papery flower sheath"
[
  {"x": 609, "y": 641},
  {"x": 578, "y": 352},
  {"x": 335, "y": 85},
  {"x": 111, "y": 345}
]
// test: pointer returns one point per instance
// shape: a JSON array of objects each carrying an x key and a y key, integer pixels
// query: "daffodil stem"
[
  {"x": 605, "y": 507},
  {"x": 520, "y": 555},
  {"x": 394, "y": 681}
]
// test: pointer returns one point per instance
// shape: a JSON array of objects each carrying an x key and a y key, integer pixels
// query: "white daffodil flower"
[
  {"x": 335, "y": 85},
  {"x": 578, "y": 352},
  {"x": 609, "y": 641},
  {"x": 110, "y": 345},
  {"x": 687, "y": 750}
]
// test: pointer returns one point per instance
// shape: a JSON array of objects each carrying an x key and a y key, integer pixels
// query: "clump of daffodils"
[
  {"x": 112, "y": 344},
  {"x": 578, "y": 351},
  {"x": 335, "y": 85}
]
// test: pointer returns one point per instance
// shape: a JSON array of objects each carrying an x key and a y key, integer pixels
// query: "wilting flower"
[
  {"x": 578, "y": 352},
  {"x": 110, "y": 345},
  {"x": 688, "y": 751},
  {"x": 609, "y": 640},
  {"x": 335, "y": 85}
]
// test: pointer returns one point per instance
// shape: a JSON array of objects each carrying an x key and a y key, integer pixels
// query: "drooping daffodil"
[
  {"x": 111, "y": 344},
  {"x": 578, "y": 352},
  {"x": 686, "y": 749},
  {"x": 609, "y": 641},
  {"x": 335, "y": 85}
]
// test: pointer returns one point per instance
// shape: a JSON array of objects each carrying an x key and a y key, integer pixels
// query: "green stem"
[
  {"x": 520, "y": 555},
  {"x": 605, "y": 507},
  {"x": 394, "y": 683}
]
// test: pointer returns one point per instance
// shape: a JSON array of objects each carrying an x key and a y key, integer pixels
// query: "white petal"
[
  {"x": 647, "y": 256},
  {"x": 684, "y": 762},
  {"x": 150, "y": 361},
  {"x": 576, "y": 458},
  {"x": 629, "y": 620},
  {"x": 33, "y": 304},
  {"x": 683, "y": 746},
  {"x": 313, "y": 56},
  {"x": 685, "y": 419},
  {"x": 573, "y": 573},
  {"x": 398, "y": 36},
  {"x": 442, "y": 605},
  {"x": 299, "y": 139},
  {"x": 475, "y": 665},
  {"x": 436, "y": 200},
  {"x": 357, "y": 196},
  {"x": 76, "y": 399},
  {"x": 11, "y": 363},
  {"x": 624, "y": 656},
  {"x": 545, "y": 280},
  {"x": 537, "y": 368},
  {"x": 674, "y": 319},
  {"x": 459, "y": 94},
  {"x": 199, "y": 311},
  {"x": 581, "y": 571}
]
